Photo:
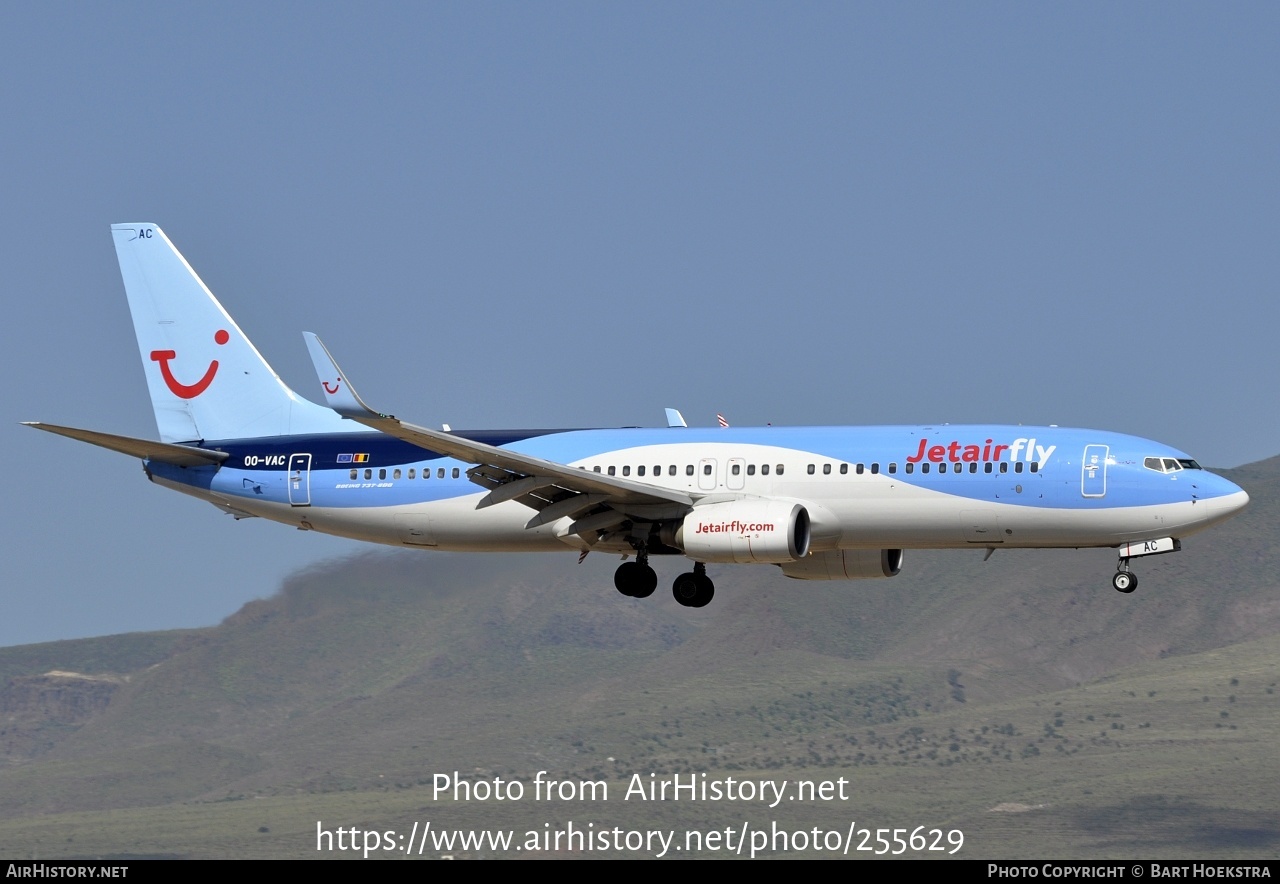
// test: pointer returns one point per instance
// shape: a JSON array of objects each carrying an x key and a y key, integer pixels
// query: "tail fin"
[{"x": 206, "y": 379}]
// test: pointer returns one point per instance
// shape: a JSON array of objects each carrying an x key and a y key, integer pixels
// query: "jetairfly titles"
[
  {"x": 819, "y": 503},
  {"x": 958, "y": 452}
]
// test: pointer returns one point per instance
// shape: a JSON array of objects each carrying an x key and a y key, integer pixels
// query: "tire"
[
  {"x": 685, "y": 590},
  {"x": 1125, "y": 581},
  {"x": 646, "y": 582},
  {"x": 626, "y": 578}
]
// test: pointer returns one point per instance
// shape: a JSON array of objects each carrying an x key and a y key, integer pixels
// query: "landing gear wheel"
[
  {"x": 693, "y": 590},
  {"x": 635, "y": 580},
  {"x": 646, "y": 583},
  {"x": 1125, "y": 581}
]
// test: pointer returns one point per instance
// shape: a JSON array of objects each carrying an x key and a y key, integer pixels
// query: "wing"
[{"x": 593, "y": 500}]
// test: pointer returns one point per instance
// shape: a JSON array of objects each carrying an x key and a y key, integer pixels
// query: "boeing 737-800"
[{"x": 822, "y": 503}]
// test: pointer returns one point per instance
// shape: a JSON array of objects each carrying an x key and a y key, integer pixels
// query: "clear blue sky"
[{"x": 574, "y": 214}]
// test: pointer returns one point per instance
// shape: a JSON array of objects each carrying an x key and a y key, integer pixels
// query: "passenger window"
[
  {"x": 736, "y": 469},
  {"x": 1017, "y": 468},
  {"x": 826, "y": 469},
  {"x": 764, "y": 469},
  {"x": 810, "y": 469},
  {"x": 368, "y": 474},
  {"x": 657, "y": 471},
  {"x": 911, "y": 468},
  {"x": 1035, "y": 466},
  {"x": 875, "y": 468},
  {"x": 924, "y": 467},
  {"x": 986, "y": 467},
  {"x": 858, "y": 469},
  {"x": 440, "y": 473},
  {"x": 671, "y": 470},
  {"x": 688, "y": 470},
  {"x": 640, "y": 470},
  {"x": 456, "y": 472},
  {"x": 706, "y": 469},
  {"x": 844, "y": 469},
  {"x": 596, "y": 469},
  {"x": 382, "y": 474},
  {"x": 779, "y": 470},
  {"x": 973, "y": 467},
  {"x": 396, "y": 474},
  {"x": 413, "y": 474},
  {"x": 751, "y": 469},
  {"x": 626, "y": 471},
  {"x": 1004, "y": 466}
]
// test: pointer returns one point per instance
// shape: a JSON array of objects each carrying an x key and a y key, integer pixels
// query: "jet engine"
[
  {"x": 846, "y": 564},
  {"x": 744, "y": 531}
]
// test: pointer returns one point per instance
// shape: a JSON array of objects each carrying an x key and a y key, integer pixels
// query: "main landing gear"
[
  {"x": 694, "y": 589},
  {"x": 637, "y": 580}
]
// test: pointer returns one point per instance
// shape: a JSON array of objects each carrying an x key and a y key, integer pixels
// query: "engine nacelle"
[
  {"x": 846, "y": 564},
  {"x": 744, "y": 531}
]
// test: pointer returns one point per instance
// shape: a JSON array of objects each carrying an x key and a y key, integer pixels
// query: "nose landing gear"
[{"x": 1125, "y": 580}]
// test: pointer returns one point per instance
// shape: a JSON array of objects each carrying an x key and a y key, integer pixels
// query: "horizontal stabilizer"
[{"x": 165, "y": 452}]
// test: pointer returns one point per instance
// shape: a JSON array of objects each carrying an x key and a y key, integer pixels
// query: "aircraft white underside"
[{"x": 900, "y": 516}]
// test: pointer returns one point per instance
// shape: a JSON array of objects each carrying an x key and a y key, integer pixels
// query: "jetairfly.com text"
[{"x": 734, "y": 527}]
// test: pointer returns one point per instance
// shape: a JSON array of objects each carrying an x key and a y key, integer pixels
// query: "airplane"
[{"x": 821, "y": 503}]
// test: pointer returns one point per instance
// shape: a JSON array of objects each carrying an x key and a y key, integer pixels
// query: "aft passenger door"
[{"x": 300, "y": 479}]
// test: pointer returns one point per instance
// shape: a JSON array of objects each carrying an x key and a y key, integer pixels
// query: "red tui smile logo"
[
  {"x": 188, "y": 391},
  {"x": 336, "y": 384}
]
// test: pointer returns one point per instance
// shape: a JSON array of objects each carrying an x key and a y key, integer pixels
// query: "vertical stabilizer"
[{"x": 206, "y": 379}]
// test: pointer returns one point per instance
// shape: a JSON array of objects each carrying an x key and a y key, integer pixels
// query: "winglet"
[
  {"x": 338, "y": 392},
  {"x": 675, "y": 418}
]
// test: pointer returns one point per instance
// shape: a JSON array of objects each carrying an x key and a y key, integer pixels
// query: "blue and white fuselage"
[
  {"x": 819, "y": 502},
  {"x": 1040, "y": 487}
]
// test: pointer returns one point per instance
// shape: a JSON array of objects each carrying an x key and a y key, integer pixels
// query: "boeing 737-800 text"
[{"x": 822, "y": 503}]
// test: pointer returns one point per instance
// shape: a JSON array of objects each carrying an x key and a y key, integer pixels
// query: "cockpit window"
[{"x": 1170, "y": 464}]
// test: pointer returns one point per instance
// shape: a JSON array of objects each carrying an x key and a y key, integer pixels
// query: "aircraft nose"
[
  {"x": 1227, "y": 499},
  {"x": 1234, "y": 501}
]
